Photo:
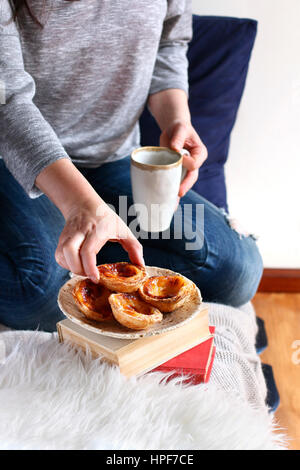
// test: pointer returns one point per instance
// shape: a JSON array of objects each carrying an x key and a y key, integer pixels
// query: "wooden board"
[
  {"x": 281, "y": 313},
  {"x": 170, "y": 321},
  {"x": 280, "y": 280}
]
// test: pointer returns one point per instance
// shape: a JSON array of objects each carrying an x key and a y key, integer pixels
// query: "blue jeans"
[{"x": 226, "y": 267}]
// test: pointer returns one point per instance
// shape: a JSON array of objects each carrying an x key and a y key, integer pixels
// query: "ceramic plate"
[{"x": 170, "y": 321}]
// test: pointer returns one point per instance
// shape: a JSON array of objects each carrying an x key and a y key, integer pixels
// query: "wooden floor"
[{"x": 281, "y": 313}]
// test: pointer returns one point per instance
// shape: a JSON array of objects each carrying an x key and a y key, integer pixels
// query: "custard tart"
[
  {"x": 132, "y": 312},
  {"x": 122, "y": 277},
  {"x": 167, "y": 293},
  {"x": 92, "y": 300}
]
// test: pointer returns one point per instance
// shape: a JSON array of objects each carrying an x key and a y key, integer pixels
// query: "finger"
[
  {"x": 188, "y": 182},
  {"x": 133, "y": 248},
  {"x": 60, "y": 259},
  {"x": 88, "y": 254},
  {"x": 198, "y": 154},
  {"x": 178, "y": 138},
  {"x": 59, "y": 253},
  {"x": 164, "y": 140},
  {"x": 71, "y": 249}
]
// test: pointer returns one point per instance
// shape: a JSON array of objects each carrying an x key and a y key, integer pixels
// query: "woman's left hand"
[{"x": 181, "y": 135}]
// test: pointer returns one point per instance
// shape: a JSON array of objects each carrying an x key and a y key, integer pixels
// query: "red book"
[{"x": 196, "y": 363}]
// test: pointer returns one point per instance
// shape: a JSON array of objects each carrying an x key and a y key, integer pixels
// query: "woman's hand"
[
  {"x": 90, "y": 223},
  {"x": 171, "y": 112},
  {"x": 179, "y": 135},
  {"x": 88, "y": 227}
]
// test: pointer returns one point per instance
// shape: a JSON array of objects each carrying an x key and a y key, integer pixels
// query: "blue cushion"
[
  {"x": 273, "y": 398},
  {"x": 218, "y": 56},
  {"x": 261, "y": 342}
]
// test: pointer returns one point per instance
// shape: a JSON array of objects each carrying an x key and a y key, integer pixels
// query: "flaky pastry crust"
[
  {"x": 122, "y": 277},
  {"x": 92, "y": 300},
  {"x": 132, "y": 312},
  {"x": 167, "y": 293}
]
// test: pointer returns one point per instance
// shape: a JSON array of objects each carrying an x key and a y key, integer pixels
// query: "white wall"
[{"x": 263, "y": 171}]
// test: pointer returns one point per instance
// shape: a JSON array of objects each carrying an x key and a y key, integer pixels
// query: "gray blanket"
[{"x": 237, "y": 367}]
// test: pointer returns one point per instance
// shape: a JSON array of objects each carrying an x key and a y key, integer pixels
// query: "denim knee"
[
  {"x": 34, "y": 305},
  {"x": 230, "y": 273},
  {"x": 241, "y": 274}
]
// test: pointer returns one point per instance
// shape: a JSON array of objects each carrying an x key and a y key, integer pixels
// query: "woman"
[{"x": 77, "y": 75}]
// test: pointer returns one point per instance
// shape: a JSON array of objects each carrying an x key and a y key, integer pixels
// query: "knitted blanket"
[{"x": 237, "y": 367}]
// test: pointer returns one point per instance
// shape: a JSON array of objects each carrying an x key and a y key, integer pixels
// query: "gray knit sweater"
[{"x": 77, "y": 87}]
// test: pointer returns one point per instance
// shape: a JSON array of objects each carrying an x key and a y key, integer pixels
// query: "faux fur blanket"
[{"x": 54, "y": 398}]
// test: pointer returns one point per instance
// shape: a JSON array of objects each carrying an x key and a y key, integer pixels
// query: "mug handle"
[{"x": 184, "y": 170}]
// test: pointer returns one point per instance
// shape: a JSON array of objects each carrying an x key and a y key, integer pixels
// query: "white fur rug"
[{"x": 54, "y": 398}]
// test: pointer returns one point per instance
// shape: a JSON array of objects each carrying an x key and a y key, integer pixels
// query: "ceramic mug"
[{"x": 156, "y": 174}]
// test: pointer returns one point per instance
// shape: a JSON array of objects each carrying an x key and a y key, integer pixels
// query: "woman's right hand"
[
  {"x": 90, "y": 223},
  {"x": 88, "y": 227}
]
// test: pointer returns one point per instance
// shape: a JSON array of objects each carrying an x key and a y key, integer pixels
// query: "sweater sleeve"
[
  {"x": 28, "y": 143},
  {"x": 171, "y": 66}
]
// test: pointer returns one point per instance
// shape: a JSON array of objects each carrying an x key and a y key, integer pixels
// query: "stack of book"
[
  {"x": 186, "y": 350},
  {"x": 196, "y": 363}
]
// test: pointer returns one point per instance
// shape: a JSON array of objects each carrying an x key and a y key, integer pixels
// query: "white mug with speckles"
[{"x": 156, "y": 174}]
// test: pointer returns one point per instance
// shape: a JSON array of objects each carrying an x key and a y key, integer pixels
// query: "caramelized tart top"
[
  {"x": 93, "y": 297},
  {"x": 122, "y": 277},
  {"x": 132, "y": 305},
  {"x": 124, "y": 270},
  {"x": 163, "y": 287}
]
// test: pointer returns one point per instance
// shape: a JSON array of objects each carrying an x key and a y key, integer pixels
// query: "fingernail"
[{"x": 95, "y": 279}]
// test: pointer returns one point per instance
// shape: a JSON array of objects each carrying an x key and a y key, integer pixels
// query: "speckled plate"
[{"x": 170, "y": 321}]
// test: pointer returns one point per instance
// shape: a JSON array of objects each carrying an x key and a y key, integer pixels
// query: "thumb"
[
  {"x": 164, "y": 139},
  {"x": 134, "y": 249},
  {"x": 178, "y": 137}
]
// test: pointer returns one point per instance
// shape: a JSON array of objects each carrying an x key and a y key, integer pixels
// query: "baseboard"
[{"x": 280, "y": 280}]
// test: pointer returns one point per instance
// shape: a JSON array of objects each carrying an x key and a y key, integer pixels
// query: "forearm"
[
  {"x": 63, "y": 183},
  {"x": 169, "y": 106}
]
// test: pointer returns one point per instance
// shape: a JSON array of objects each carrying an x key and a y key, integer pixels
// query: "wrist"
[
  {"x": 90, "y": 202},
  {"x": 168, "y": 107},
  {"x": 184, "y": 121},
  {"x": 67, "y": 188}
]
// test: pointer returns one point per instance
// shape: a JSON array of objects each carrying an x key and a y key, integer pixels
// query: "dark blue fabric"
[
  {"x": 261, "y": 337},
  {"x": 273, "y": 398},
  {"x": 218, "y": 56}
]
